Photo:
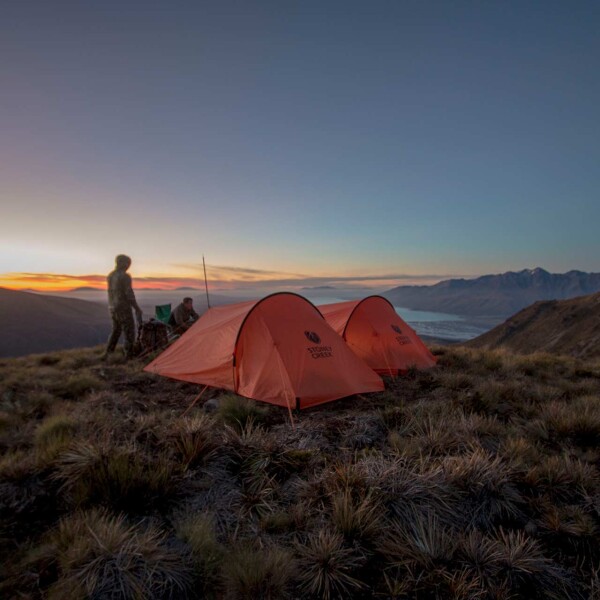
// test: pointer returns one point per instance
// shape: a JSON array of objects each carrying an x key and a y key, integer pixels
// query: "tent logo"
[
  {"x": 312, "y": 337},
  {"x": 396, "y": 329}
]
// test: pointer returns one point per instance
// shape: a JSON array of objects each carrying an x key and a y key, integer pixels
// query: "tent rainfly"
[
  {"x": 376, "y": 333},
  {"x": 279, "y": 350}
]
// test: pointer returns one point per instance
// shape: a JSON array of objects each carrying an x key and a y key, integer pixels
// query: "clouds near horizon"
[{"x": 219, "y": 278}]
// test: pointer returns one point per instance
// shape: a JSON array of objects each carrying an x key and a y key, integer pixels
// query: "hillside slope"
[
  {"x": 37, "y": 323},
  {"x": 562, "y": 327},
  {"x": 495, "y": 295}
]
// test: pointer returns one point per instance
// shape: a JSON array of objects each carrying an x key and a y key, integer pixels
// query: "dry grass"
[
  {"x": 97, "y": 555},
  {"x": 119, "y": 477},
  {"x": 479, "y": 479},
  {"x": 251, "y": 572},
  {"x": 326, "y": 567}
]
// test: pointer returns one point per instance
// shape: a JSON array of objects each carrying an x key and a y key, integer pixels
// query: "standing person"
[
  {"x": 183, "y": 317},
  {"x": 121, "y": 300}
]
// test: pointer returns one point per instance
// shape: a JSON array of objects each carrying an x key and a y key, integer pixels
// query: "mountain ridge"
[{"x": 496, "y": 295}]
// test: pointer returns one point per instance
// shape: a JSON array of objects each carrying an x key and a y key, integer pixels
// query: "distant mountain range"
[
  {"x": 494, "y": 296},
  {"x": 558, "y": 326},
  {"x": 31, "y": 323},
  {"x": 86, "y": 288}
]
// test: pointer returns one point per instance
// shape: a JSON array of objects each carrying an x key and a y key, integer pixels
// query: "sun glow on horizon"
[{"x": 219, "y": 278}]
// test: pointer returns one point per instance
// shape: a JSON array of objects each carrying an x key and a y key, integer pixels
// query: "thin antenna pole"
[{"x": 205, "y": 282}]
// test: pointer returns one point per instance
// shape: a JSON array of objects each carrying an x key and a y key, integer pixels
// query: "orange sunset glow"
[{"x": 223, "y": 278}]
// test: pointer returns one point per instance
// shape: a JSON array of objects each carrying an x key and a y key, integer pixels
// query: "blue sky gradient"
[{"x": 337, "y": 138}]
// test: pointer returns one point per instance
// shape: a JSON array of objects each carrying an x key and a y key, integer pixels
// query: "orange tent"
[
  {"x": 377, "y": 334},
  {"x": 278, "y": 350}
]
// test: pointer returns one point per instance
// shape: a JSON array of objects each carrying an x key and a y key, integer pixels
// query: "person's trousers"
[{"x": 122, "y": 322}]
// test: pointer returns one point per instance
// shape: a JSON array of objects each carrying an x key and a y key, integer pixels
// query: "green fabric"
[{"x": 163, "y": 312}]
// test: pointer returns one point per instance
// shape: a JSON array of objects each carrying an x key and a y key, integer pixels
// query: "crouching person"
[{"x": 183, "y": 317}]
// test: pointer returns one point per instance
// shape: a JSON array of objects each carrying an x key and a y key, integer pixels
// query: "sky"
[{"x": 307, "y": 143}]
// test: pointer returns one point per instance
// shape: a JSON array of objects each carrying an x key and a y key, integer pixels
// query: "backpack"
[{"x": 153, "y": 335}]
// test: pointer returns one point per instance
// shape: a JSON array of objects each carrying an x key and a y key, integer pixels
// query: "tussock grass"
[
  {"x": 422, "y": 543},
  {"x": 77, "y": 385},
  {"x": 198, "y": 532},
  {"x": 118, "y": 477},
  {"x": 326, "y": 567},
  {"x": 53, "y": 436},
  {"x": 17, "y": 465},
  {"x": 194, "y": 440},
  {"x": 564, "y": 479},
  {"x": 56, "y": 427},
  {"x": 251, "y": 572},
  {"x": 577, "y": 423},
  {"x": 478, "y": 479},
  {"x": 7, "y": 421},
  {"x": 356, "y": 518},
  {"x": 97, "y": 555},
  {"x": 488, "y": 494},
  {"x": 238, "y": 412}
]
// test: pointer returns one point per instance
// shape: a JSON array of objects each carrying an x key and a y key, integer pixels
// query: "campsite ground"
[{"x": 479, "y": 479}]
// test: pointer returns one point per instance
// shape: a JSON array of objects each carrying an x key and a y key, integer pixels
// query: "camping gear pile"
[{"x": 286, "y": 351}]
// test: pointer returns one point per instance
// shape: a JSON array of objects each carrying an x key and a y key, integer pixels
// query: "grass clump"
[
  {"x": 577, "y": 423},
  {"x": 120, "y": 477},
  {"x": 97, "y": 555},
  {"x": 356, "y": 518},
  {"x": 54, "y": 435},
  {"x": 251, "y": 572},
  {"x": 78, "y": 385},
  {"x": 198, "y": 532},
  {"x": 487, "y": 494},
  {"x": 238, "y": 412},
  {"x": 326, "y": 567},
  {"x": 564, "y": 479},
  {"x": 194, "y": 440}
]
